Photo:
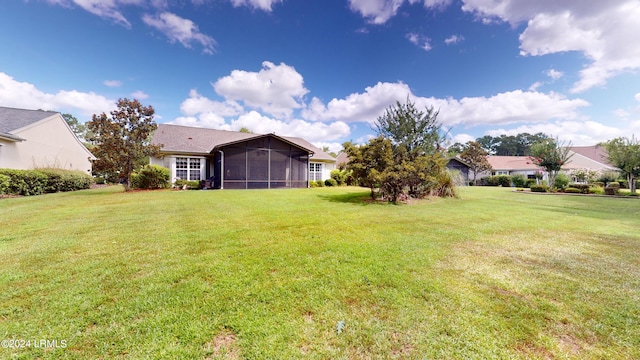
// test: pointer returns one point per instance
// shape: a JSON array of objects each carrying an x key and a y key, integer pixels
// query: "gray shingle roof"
[
  {"x": 194, "y": 140},
  {"x": 13, "y": 119}
]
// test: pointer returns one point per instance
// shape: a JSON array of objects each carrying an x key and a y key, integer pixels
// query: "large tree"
[
  {"x": 123, "y": 139},
  {"x": 624, "y": 153},
  {"x": 476, "y": 157},
  {"x": 406, "y": 158},
  {"x": 551, "y": 154}
]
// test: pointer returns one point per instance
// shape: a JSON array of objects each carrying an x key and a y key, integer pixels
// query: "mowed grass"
[{"x": 320, "y": 273}]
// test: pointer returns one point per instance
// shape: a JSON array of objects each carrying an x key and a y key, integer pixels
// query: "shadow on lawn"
[{"x": 357, "y": 198}]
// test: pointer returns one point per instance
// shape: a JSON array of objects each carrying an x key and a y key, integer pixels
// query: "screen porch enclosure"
[{"x": 263, "y": 163}]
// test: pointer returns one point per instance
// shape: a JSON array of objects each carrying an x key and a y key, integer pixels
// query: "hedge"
[
  {"x": 36, "y": 182},
  {"x": 4, "y": 184}
]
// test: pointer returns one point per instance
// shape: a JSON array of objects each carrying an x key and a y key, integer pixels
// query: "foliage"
[
  {"x": 539, "y": 188},
  {"x": 530, "y": 182},
  {"x": 25, "y": 182},
  {"x": 406, "y": 159},
  {"x": 151, "y": 177},
  {"x": 418, "y": 132},
  {"x": 498, "y": 180},
  {"x": 4, "y": 183},
  {"x": 77, "y": 127},
  {"x": 65, "y": 180},
  {"x": 510, "y": 145},
  {"x": 319, "y": 183},
  {"x": 608, "y": 176},
  {"x": 624, "y": 153},
  {"x": 583, "y": 188},
  {"x": 572, "y": 190},
  {"x": 46, "y": 180},
  {"x": 561, "y": 181},
  {"x": 123, "y": 139},
  {"x": 585, "y": 175},
  {"x": 596, "y": 190},
  {"x": 611, "y": 190},
  {"x": 340, "y": 176},
  {"x": 551, "y": 155},
  {"x": 519, "y": 180},
  {"x": 476, "y": 157},
  {"x": 191, "y": 184},
  {"x": 331, "y": 182}
]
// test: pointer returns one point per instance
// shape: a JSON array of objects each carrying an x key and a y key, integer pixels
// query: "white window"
[
  {"x": 189, "y": 168},
  {"x": 315, "y": 171},
  {"x": 501, "y": 172}
]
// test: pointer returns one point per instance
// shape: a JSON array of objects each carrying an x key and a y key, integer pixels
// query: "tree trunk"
[{"x": 632, "y": 183}]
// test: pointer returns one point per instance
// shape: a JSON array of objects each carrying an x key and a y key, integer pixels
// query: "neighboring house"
[
  {"x": 342, "y": 160},
  {"x": 582, "y": 157},
  {"x": 237, "y": 160},
  {"x": 457, "y": 164},
  {"x": 31, "y": 139}
]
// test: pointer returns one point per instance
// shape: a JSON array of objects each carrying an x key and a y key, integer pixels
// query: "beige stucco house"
[
  {"x": 238, "y": 160},
  {"x": 31, "y": 139}
]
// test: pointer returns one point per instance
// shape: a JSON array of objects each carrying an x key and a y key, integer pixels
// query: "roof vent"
[{"x": 190, "y": 138}]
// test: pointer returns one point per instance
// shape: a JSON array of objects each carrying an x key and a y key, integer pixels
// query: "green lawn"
[{"x": 320, "y": 273}]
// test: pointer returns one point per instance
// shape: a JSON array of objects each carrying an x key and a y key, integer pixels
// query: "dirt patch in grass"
[{"x": 223, "y": 345}]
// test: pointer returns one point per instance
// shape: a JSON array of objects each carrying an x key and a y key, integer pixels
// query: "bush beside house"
[{"x": 41, "y": 181}]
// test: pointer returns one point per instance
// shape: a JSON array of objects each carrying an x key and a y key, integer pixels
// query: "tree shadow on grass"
[{"x": 357, "y": 198}]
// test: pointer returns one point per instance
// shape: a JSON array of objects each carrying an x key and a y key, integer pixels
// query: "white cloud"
[
  {"x": 380, "y": 11},
  {"x": 419, "y": 40},
  {"x": 504, "y": 108},
  {"x": 637, "y": 97},
  {"x": 104, "y": 8},
  {"x": 311, "y": 131},
  {"x": 604, "y": 31},
  {"x": 453, "y": 39},
  {"x": 535, "y": 86},
  {"x": 265, "y": 5},
  {"x": 554, "y": 74},
  {"x": 276, "y": 89},
  {"x": 140, "y": 95},
  {"x": 364, "y": 107},
  {"x": 197, "y": 103},
  {"x": 112, "y": 83},
  {"x": 206, "y": 120},
  {"x": 181, "y": 30},
  {"x": 25, "y": 95}
]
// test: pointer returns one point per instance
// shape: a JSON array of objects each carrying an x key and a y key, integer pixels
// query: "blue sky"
[{"x": 325, "y": 70}]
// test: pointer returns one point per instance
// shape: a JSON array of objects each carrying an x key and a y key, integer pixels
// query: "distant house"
[
  {"x": 459, "y": 165},
  {"x": 31, "y": 139},
  {"x": 582, "y": 157},
  {"x": 238, "y": 160}
]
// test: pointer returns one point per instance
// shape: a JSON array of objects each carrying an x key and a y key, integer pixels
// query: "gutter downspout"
[{"x": 221, "y": 169}]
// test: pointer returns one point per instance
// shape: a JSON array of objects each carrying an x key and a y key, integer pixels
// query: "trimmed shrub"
[
  {"x": 66, "y": 180},
  {"x": 599, "y": 183},
  {"x": 4, "y": 184},
  {"x": 519, "y": 180},
  {"x": 530, "y": 182},
  {"x": 100, "y": 180},
  {"x": 331, "y": 182},
  {"x": 539, "y": 188},
  {"x": 611, "y": 190},
  {"x": 596, "y": 190},
  {"x": 572, "y": 190},
  {"x": 584, "y": 188},
  {"x": 624, "y": 183},
  {"x": 313, "y": 184},
  {"x": 319, "y": 183},
  {"x": 561, "y": 181},
  {"x": 498, "y": 180},
  {"x": 151, "y": 177},
  {"x": 25, "y": 182},
  {"x": 191, "y": 184}
]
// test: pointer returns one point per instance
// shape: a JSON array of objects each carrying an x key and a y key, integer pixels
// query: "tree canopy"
[
  {"x": 406, "y": 159},
  {"x": 510, "y": 145},
  {"x": 123, "y": 139},
  {"x": 624, "y": 153},
  {"x": 476, "y": 157},
  {"x": 551, "y": 154}
]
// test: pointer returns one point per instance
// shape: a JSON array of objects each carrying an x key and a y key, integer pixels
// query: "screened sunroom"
[{"x": 264, "y": 162}]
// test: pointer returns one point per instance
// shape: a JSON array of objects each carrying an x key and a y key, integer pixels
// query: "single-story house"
[
  {"x": 457, "y": 164},
  {"x": 582, "y": 157},
  {"x": 239, "y": 160},
  {"x": 31, "y": 139}
]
